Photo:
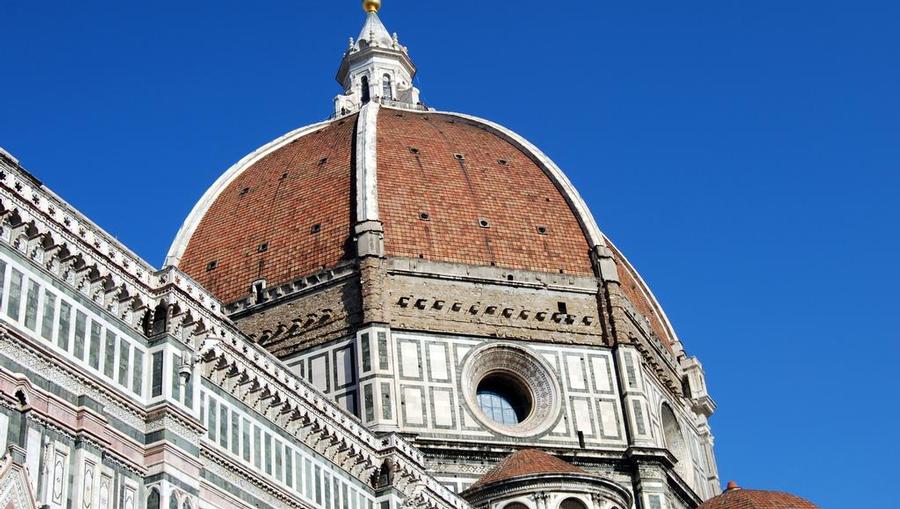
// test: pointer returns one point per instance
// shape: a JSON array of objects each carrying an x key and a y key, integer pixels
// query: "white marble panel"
[
  {"x": 412, "y": 397},
  {"x": 575, "y": 368},
  {"x": 607, "y": 411},
  {"x": 409, "y": 359},
  {"x": 600, "y": 366},
  {"x": 582, "y": 410},
  {"x": 318, "y": 370},
  {"x": 443, "y": 415},
  {"x": 437, "y": 361}
]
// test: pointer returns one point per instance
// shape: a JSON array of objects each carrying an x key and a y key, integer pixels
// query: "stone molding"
[
  {"x": 272, "y": 296},
  {"x": 367, "y": 164},
  {"x": 54, "y": 236}
]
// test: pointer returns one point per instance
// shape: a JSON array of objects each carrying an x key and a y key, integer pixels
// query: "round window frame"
[
  {"x": 527, "y": 368},
  {"x": 522, "y": 388}
]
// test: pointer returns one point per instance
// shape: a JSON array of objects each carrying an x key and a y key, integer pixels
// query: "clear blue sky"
[{"x": 744, "y": 155}]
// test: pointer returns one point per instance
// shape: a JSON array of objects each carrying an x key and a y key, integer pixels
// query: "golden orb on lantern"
[{"x": 371, "y": 5}]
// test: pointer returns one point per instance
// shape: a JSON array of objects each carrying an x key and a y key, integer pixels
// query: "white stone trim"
[
  {"x": 176, "y": 251},
  {"x": 556, "y": 175},
  {"x": 367, "y": 164}
]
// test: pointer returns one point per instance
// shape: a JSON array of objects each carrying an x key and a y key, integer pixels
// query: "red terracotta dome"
[
  {"x": 738, "y": 498},
  {"x": 449, "y": 189},
  {"x": 444, "y": 187},
  {"x": 526, "y": 462}
]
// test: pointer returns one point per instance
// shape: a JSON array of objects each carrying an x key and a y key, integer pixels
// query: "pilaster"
[{"x": 634, "y": 399}]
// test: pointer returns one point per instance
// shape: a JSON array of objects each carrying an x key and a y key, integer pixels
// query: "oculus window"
[{"x": 504, "y": 399}]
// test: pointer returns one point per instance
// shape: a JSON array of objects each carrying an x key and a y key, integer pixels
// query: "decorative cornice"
[
  {"x": 264, "y": 384},
  {"x": 275, "y": 295}
]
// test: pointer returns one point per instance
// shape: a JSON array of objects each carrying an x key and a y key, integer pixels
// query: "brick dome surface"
[
  {"x": 285, "y": 216},
  {"x": 449, "y": 190},
  {"x": 756, "y": 499},
  {"x": 460, "y": 174}
]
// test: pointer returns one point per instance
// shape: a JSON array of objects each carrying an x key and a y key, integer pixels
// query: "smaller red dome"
[
  {"x": 737, "y": 498},
  {"x": 526, "y": 462}
]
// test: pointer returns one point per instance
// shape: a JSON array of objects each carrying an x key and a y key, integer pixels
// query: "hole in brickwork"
[
  {"x": 284, "y": 176},
  {"x": 212, "y": 265},
  {"x": 484, "y": 223},
  {"x": 323, "y": 161},
  {"x": 502, "y": 162},
  {"x": 459, "y": 157},
  {"x": 424, "y": 216},
  {"x": 413, "y": 150},
  {"x": 262, "y": 248},
  {"x": 245, "y": 190},
  {"x": 542, "y": 230},
  {"x": 316, "y": 228}
]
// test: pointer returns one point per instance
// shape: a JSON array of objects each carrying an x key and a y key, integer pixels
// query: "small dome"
[
  {"x": 526, "y": 462},
  {"x": 737, "y": 498}
]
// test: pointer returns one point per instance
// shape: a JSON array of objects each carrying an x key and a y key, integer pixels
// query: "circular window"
[
  {"x": 504, "y": 399},
  {"x": 510, "y": 390}
]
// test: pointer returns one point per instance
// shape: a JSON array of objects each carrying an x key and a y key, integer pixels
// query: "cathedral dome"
[
  {"x": 390, "y": 177},
  {"x": 450, "y": 189}
]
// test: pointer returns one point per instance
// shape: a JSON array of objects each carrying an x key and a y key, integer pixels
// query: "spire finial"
[{"x": 371, "y": 5}]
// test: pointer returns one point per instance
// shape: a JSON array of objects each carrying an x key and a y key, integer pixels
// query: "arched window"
[
  {"x": 186, "y": 504},
  {"x": 153, "y": 499},
  {"x": 572, "y": 503},
  {"x": 386, "y": 89},
  {"x": 365, "y": 89},
  {"x": 675, "y": 440},
  {"x": 173, "y": 501},
  {"x": 515, "y": 505}
]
